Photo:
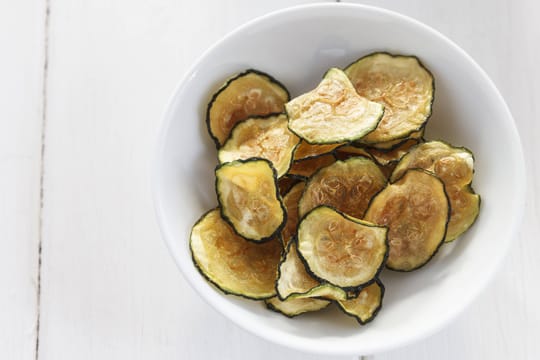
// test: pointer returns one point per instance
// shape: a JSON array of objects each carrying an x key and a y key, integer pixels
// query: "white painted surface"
[
  {"x": 21, "y": 83},
  {"x": 109, "y": 289}
]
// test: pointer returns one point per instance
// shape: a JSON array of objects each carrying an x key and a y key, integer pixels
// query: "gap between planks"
[{"x": 42, "y": 168}]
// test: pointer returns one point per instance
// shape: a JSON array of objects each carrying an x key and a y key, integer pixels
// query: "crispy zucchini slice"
[
  {"x": 348, "y": 151},
  {"x": 400, "y": 83},
  {"x": 295, "y": 307},
  {"x": 384, "y": 157},
  {"x": 292, "y": 275},
  {"x": 341, "y": 250},
  {"x": 294, "y": 282},
  {"x": 455, "y": 167},
  {"x": 333, "y": 112},
  {"x": 249, "y": 93},
  {"x": 285, "y": 183},
  {"x": 290, "y": 201},
  {"x": 345, "y": 185},
  {"x": 392, "y": 144},
  {"x": 464, "y": 206},
  {"x": 366, "y": 305},
  {"x": 249, "y": 198},
  {"x": 234, "y": 265},
  {"x": 306, "y": 150},
  {"x": 303, "y": 169},
  {"x": 264, "y": 137},
  {"x": 416, "y": 210}
]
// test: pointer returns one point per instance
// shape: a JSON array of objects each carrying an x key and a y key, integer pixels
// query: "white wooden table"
[{"x": 84, "y": 273}]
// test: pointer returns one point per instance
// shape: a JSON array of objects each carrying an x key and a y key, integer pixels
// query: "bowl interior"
[{"x": 297, "y": 46}]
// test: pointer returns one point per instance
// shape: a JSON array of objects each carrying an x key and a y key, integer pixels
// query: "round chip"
[
  {"x": 400, "y": 83},
  {"x": 249, "y": 197},
  {"x": 247, "y": 94},
  {"x": 345, "y": 185},
  {"x": 455, "y": 167},
  {"x": 339, "y": 249},
  {"x": 415, "y": 208},
  {"x": 234, "y": 265}
]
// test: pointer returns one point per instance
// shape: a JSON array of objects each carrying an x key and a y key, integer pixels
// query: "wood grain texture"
[
  {"x": 21, "y": 73},
  {"x": 110, "y": 289},
  {"x": 503, "y": 37}
]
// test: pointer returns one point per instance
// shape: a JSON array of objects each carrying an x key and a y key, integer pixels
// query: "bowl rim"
[{"x": 276, "y": 336}]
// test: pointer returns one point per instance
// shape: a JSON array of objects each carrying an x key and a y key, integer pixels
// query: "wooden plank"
[
  {"x": 21, "y": 72},
  {"x": 110, "y": 290},
  {"x": 502, "y": 36}
]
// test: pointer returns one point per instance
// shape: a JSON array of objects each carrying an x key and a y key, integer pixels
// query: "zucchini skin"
[
  {"x": 277, "y": 193},
  {"x": 226, "y": 84},
  {"x": 357, "y": 288}
]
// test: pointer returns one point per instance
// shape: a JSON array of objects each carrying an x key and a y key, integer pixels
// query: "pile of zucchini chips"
[{"x": 319, "y": 193}]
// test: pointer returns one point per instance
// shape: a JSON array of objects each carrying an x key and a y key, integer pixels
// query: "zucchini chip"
[
  {"x": 348, "y": 151},
  {"x": 285, "y": 183},
  {"x": 416, "y": 210},
  {"x": 234, "y": 265},
  {"x": 345, "y": 185},
  {"x": 341, "y": 250},
  {"x": 292, "y": 275},
  {"x": 306, "y": 150},
  {"x": 294, "y": 282},
  {"x": 392, "y": 144},
  {"x": 249, "y": 198},
  {"x": 455, "y": 167},
  {"x": 366, "y": 305},
  {"x": 333, "y": 112},
  {"x": 263, "y": 137},
  {"x": 305, "y": 168},
  {"x": 290, "y": 201},
  {"x": 400, "y": 83},
  {"x": 294, "y": 307},
  {"x": 244, "y": 95},
  {"x": 385, "y": 157}
]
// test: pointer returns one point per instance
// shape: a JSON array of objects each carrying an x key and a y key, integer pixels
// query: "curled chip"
[
  {"x": 234, "y": 265},
  {"x": 264, "y": 137},
  {"x": 415, "y": 209},
  {"x": 249, "y": 198},
  {"x": 400, "y": 83},
  {"x": 295, "y": 307},
  {"x": 290, "y": 201},
  {"x": 455, "y": 167},
  {"x": 345, "y": 185},
  {"x": 306, "y": 167},
  {"x": 306, "y": 150},
  {"x": 247, "y": 94},
  {"x": 339, "y": 249},
  {"x": 333, "y": 112},
  {"x": 295, "y": 282},
  {"x": 366, "y": 305}
]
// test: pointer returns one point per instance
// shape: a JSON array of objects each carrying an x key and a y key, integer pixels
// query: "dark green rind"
[
  {"x": 216, "y": 285},
  {"x": 346, "y": 288},
  {"x": 284, "y": 211},
  {"x": 226, "y": 84}
]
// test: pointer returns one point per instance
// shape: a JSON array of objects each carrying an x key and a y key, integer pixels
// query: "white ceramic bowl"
[{"x": 297, "y": 46}]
